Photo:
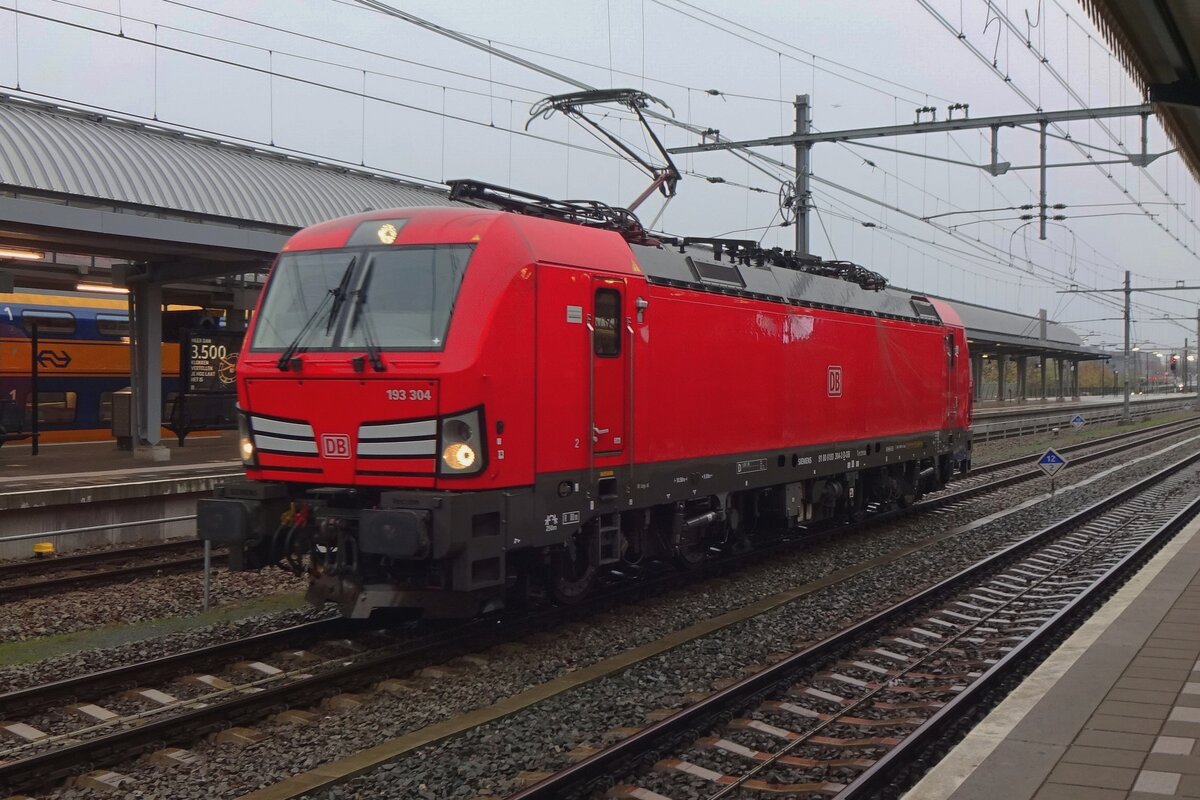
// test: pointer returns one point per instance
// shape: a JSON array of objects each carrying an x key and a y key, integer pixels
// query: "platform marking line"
[
  {"x": 22, "y": 493},
  {"x": 207, "y": 465},
  {"x": 941, "y": 782}
]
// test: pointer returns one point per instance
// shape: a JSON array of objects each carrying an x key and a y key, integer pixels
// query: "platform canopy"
[
  {"x": 82, "y": 182},
  {"x": 996, "y": 332},
  {"x": 1159, "y": 43}
]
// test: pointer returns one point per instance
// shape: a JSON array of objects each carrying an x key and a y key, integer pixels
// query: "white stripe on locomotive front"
[
  {"x": 400, "y": 430},
  {"x": 285, "y": 445},
  {"x": 264, "y": 425},
  {"x": 427, "y": 447}
]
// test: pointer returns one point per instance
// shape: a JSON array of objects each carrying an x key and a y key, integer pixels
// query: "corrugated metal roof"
[
  {"x": 1159, "y": 44},
  {"x": 988, "y": 325},
  {"x": 65, "y": 152}
]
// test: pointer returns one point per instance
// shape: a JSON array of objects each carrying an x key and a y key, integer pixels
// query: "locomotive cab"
[{"x": 375, "y": 439}]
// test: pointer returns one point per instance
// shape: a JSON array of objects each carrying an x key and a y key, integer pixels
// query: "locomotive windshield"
[{"x": 395, "y": 298}]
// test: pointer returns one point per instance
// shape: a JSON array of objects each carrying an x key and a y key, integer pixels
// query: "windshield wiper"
[
  {"x": 334, "y": 296},
  {"x": 339, "y": 295},
  {"x": 369, "y": 339}
]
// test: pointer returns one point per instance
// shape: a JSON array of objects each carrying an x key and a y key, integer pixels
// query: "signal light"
[{"x": 1174, "y": 363}]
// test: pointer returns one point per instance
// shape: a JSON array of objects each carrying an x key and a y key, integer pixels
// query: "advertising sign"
[{"x": 208, "y": 361}]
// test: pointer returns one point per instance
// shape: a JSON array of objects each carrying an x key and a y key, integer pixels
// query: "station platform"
[
  {"x": 1112, "y": 714},
  {"x": 54, "y": 489},
  {"x": 91, "y": 494},
  {"x": 94, "y": 462},
  {"x": 992, "y": 408}
]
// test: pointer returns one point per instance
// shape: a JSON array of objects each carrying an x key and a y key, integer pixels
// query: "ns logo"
[{"x": 833, "y": 381}]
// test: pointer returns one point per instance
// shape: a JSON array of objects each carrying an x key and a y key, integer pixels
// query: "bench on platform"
[{"x": 200, "y": 412}]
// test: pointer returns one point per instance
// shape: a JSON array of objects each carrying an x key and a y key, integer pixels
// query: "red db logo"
[
  {"x": 335, "y": 445},
  {"x": 834, "y": 382}
]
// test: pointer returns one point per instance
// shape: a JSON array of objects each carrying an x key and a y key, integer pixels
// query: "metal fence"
[{"x": 1003, "y": 428}]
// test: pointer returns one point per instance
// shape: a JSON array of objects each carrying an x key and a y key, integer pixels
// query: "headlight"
[
  {"x": 459, "y": 455},
  {"x": 461, "y": 444},
  {"x": 246, "y": 441}
]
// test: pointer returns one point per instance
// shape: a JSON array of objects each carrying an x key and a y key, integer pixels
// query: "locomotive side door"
[
  {"x": 609, "y": 367},
  {"x": 951, "y": 377}
]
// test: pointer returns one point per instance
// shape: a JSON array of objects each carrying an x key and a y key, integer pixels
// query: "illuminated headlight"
[
  {"x": 458, "y": 456},
  {"x": 246, "y": 441},
  {"x": 461, "y": 444}
]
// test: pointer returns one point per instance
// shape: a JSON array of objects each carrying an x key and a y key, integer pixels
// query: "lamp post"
[{"x": 1135, "y": 350}]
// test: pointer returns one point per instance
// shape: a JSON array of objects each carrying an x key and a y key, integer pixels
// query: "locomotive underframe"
[{"x": 454, "y": 554}]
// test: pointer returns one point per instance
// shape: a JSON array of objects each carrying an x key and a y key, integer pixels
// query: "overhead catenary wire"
[
  {"x": 725, "y": 19},
  {"x": 490, "y": 48},
  {"x": 810, "y": 57},
  {"x": 982, "y": 249},
  {"x": 773, "y": 168},
  {"x": 434, "y": 67},
  {"x": 1033, "y": 103},
  {"x": 296, "y": 79}
]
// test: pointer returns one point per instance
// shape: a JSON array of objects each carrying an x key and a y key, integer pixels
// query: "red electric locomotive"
[{"x": 445, "y": 407}]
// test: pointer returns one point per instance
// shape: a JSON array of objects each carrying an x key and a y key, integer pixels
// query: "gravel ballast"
[{"x": 488, "y": 758}]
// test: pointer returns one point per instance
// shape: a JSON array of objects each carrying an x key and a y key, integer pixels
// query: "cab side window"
[{"x": 606, "y": 339}]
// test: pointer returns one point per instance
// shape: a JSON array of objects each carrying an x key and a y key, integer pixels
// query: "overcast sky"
[{"x": 340, "y": 82}]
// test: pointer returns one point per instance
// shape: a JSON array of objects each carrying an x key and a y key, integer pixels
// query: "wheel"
[
  {"x": 573, "y": 568},
  {"x": 691, "y": 552}
]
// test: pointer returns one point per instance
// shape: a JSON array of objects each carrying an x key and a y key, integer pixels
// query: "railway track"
[
  {"x": 246, "y": 691},
  {"x": 33, "y": 577},
  {"x": 998, "y": 475},
  {"x": 1024, "y": 461},
  {"x": 848, "y": 716}
]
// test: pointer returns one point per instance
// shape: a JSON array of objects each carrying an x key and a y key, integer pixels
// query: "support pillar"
[
  {"x": 146, "y": 327},
  {"x": 1075, "y": 379},
  {"x": 976, "y": 376},
  {"x": 1022, "y": 369},
  {"x": 803, "y": 190},
  {"x": 1059, "y": 364},
  {"x": 1001, "y": 378},
  {"x": 1042, "y": 369}
]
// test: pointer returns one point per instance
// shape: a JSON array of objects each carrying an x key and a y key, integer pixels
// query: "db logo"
[
  {"x": 335, "y": 445},
  {"x": 834, "y": 381}
]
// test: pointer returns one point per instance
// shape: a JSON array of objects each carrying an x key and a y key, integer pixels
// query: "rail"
[
  {"x": 39, "y": 769},
  {"x": 648, "y": 744}
]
